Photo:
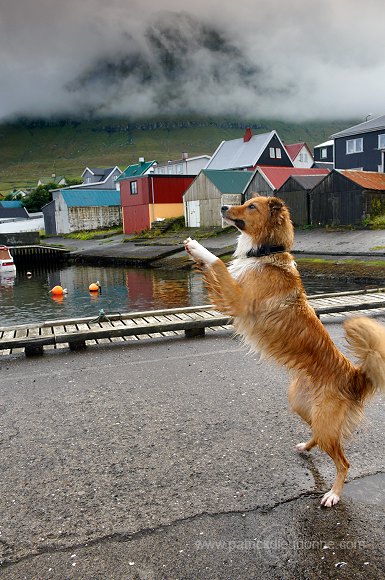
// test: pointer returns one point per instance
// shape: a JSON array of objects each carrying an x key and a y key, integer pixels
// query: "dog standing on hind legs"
[{"x": 262, "y": 291}]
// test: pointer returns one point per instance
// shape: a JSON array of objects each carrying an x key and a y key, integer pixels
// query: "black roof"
[
  {"x": 307, "y": 181},
  {"x": 13, "y": 212}
]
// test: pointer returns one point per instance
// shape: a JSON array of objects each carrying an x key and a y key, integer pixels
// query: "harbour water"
[{"x": 26, "y": 299}]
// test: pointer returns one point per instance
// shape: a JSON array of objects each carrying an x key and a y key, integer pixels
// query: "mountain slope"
[{"x": 33, "y": 149}]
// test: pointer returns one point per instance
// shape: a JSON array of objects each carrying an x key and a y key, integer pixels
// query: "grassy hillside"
[{"x": 33, "y": 149}]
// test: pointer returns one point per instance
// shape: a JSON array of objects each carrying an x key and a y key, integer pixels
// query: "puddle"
[{"x": 369, "y": 489}]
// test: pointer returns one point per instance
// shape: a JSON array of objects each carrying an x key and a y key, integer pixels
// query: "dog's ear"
[{"x": 275, "y": 205}]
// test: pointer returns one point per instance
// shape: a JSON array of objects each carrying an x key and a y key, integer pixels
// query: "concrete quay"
[
  {"x": 168, "y": 251},
  {"x": 174, "y": 459}
]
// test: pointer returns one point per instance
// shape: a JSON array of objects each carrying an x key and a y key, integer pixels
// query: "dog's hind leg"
[
  {"x": 335, "y": 451},
  {"x": 328, "y": 424},
  {"x": 306, "y": 446},
  {"x": 299, "y": 400}
]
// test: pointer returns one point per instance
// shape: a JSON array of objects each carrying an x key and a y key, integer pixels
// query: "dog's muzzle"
[{"x": 240, "y": 224}]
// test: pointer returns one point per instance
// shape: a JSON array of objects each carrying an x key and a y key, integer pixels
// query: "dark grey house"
[
  {"x": 13, "y": 210},
  {"x": 324, "y": 154},
  {"x": 249, "y": 151},
  {"x": 97, "y": 178},
  {"x": 361, "y": 147}
]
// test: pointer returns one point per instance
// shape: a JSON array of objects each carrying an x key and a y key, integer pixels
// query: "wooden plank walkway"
[{"x": 34, "y": 339}]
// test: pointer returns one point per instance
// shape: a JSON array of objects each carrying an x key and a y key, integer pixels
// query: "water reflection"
[
  {"x": 123, "y": 290},
  {"x": 7, "y": 279},
  {"x": 27, "y": 299}
]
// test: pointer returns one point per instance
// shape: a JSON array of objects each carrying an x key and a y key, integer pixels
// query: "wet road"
[{"x": 174, "y": 459}]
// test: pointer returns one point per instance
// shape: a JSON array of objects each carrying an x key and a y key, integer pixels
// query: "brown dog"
[{"x": 263, "y": 292}]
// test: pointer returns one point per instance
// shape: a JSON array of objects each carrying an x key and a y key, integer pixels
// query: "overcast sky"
[{"x": 287, "y": 59}]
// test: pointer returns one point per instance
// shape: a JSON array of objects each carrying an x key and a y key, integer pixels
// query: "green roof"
[
  {"x": 136, "y": 170},
  {"x": 228, "y": 181},
  {"x": 91, "y": 197}
]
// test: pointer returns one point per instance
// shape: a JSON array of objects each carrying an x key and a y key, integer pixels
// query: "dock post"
[
  {"x": 34, "y": 350},
  {"x": 194, "y": 332},
  {"x": 77, "y": 345}
]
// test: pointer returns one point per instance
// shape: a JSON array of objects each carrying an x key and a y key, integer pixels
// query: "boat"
[{"x": 6, "y": 261}]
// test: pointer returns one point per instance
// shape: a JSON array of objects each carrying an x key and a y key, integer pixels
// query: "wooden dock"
[
  {"x": 35, "y": 339},
  {"x": 36, "y": 255}
]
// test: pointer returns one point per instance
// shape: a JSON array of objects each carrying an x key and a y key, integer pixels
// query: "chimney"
[
  {"x": 184, "y": 155},
  {"x": 141, "y": 160},
  {"x": 248, "y": 135}
]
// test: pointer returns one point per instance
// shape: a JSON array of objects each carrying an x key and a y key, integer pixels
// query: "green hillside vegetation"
[{"x": 30, "y": 150}]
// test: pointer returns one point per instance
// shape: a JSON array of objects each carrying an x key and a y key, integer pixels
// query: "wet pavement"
[{"x": 175, "y": 459}]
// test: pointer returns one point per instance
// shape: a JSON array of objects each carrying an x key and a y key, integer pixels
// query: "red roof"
[
  {"x": 278, "y": 175},
  {"x": 294, "y": 149},
  {"x": 366, "y": 179}
]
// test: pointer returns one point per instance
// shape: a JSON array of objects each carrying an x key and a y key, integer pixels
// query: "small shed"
[
  {"x": 148, "y": 198},
  {"x": 269, "y": 179},
  {"x": 74, "y": 210},
  {"x": 347, "y": 197},
  {"x": 210, "y": 190},
  {"x": 295, "y": 193}
]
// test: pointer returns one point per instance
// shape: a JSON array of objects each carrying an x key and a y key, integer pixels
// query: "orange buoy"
[
  {"x": 57, "y": 291},
  {"x": 94, "y": 287}
]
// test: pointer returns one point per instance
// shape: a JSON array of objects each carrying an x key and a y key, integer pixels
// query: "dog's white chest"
[{"x": 241, "y": 266}]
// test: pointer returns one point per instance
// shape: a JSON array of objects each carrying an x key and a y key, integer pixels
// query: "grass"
[
  {"x": 32, "y": 150},
  {"x": 350, "y": 261},
  {"x": 92, "y": 234},
  {"x": 377, "y": 222}
]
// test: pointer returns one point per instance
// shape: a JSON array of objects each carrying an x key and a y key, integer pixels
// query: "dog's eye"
[{"x": 252, "y": 206}]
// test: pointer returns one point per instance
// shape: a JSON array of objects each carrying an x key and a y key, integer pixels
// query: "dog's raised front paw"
[
  {"x": 198, "y": 252},
  {"x": 330, "y": 498}
]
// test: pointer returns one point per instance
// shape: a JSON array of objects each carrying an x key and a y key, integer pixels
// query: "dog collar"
[{"x": 265, "y": 251}]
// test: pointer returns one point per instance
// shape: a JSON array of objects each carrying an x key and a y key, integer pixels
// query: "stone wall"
[{"x": 20, "y": 239}]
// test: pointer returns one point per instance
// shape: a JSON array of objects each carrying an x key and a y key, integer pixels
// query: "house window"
[
  {"x": 134, "y": 187},
  {"x": 324, "y": 153},
  {"x": 354, "y": 146},
  {"x": 272, "y": 152},
  {"x": 278, "y": 153},
  {"x": 381, "y": 141},
  {"x": 303, "y": 157}
]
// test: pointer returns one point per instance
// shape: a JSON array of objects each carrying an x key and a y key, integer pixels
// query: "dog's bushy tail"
[{"x": 367, "y": 341}]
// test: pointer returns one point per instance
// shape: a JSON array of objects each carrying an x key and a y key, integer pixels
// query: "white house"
[
  {"x": 185, "y": 166},
  {"x": 300, "y": 155}
]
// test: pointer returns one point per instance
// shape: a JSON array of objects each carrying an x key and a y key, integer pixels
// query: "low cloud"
[{"x": 293, "y": 60}]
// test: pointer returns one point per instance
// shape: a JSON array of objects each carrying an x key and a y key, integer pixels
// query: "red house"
[{"x": 150, "y": 197}]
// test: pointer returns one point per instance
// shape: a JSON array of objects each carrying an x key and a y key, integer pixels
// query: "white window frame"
[
  {"x": 357, "y": 145},
  {"x": 278, "y": 153},
  {"x": 381, "y": 141},
  {"x": 133, "y": 187},
  {"x": 272, "y": 153},
  {"x": 324, "y": 153}
]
